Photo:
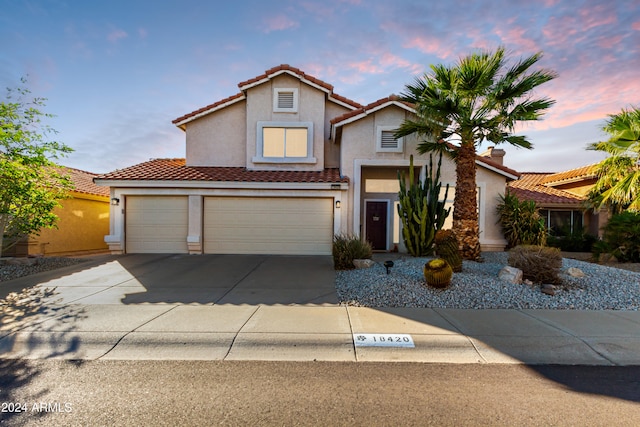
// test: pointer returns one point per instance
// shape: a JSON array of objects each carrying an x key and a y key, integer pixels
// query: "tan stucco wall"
[
  {"x": 359, "y": 142},
  {"x": 311, "y": 108},
  {"x": 83, "y": 223},
  {"x": 218, "y": 139},
  {"x": 580, "y": 188},
  {"x": 331, "y": 148}
]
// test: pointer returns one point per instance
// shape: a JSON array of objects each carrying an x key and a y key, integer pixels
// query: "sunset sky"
[{"x": 116, "y": 73}]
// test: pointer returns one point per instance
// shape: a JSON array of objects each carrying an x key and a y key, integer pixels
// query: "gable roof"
[
  {"x": 571, "y": 175},
  {"x": 177, "y": 170},
  {"x": 364, "y": 111},
  {"x": 83, "y": 182},
  {"x": 263, "y": 78},
  {"x": 531, "y": 186}
]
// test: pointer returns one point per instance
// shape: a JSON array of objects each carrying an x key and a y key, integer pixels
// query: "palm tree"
[
  {"x": 476, "y": 99},
  {"x": 618, "y": 184}
]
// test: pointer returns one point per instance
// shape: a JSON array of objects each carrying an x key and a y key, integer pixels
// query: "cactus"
[
  {"x": 447, "y": 248},
  {"x": 421, "y": 211},
  {"x": 438, "y": 273}
]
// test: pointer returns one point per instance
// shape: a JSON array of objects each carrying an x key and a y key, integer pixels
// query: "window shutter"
[
  {"x": 285, "y": 100},
  {"x": 387, "y": 140}
]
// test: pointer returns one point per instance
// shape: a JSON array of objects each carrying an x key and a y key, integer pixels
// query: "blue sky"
[{"x": 116, "y": 73}]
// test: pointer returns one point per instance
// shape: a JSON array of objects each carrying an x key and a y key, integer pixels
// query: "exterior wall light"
[
  {"x": 115, "y": 201},
  {"x": 337, "y": 204}
]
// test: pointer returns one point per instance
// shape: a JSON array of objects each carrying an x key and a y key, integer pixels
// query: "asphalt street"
[{"x": 156, "y": 393}]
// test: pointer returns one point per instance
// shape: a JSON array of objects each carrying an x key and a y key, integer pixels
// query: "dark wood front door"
[{"x": 376, "y": 223}]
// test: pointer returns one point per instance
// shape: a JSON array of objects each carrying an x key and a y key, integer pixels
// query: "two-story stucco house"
[{"x": 280, "y": 168}]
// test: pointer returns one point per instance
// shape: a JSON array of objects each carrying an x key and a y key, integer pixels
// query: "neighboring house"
[
  {"x": 280, "y": 168},
  {"x": 82, "y": 224},
  {"x": 561, "y": 198}
]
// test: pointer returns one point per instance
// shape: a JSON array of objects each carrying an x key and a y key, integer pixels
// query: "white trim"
[
  {"x": 291, "y": 73},
  {"x": 259, "y": 158},
  {"x": 357, "y": 179},
  {"x": 400, "y": 141},
  {"x": 496, "y": 170},
  {"x": 117, "y": 239},
  {"x": 389, "y": 225},
  {"x": 417, "y": 163},
  {"x": 344, "y": 104},
  {"x": 276, "y": 97},
  {"x": 366, "y": 112},
  {"x": 211, "y": 110},
  {"x": 236, "y": 185}
]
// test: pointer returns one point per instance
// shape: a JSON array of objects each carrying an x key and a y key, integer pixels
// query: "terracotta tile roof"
[
  {"x": 267, "y": 74},
  {"x": 366, "y": 108},
  {"x": 176, "y": 170},
  {"x": 83, "y": 182},
  {"x": 584, "y": 172},
  {"x": 530, "y": 187}
]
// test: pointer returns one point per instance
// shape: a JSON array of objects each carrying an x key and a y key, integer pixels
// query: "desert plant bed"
[{"x": 478, "y": 287}]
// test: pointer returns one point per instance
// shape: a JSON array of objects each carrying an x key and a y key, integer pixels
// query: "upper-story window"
[
  {"x": 284, "y": 142},
  {"x": 385, "y": 140},
  {"x": 285, "y": 100}
]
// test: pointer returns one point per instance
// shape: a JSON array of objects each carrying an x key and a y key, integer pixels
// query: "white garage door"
[
  {"x": 156, "y": 224},
  {"x": 246, "y": 225}
]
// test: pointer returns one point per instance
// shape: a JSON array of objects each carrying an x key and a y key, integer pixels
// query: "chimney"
[{"x": 494, "y": 154}]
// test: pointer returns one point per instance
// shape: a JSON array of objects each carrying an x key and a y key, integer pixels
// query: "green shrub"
[
  {"x": 521, "y": 223},
  {"x": 346, "y": 248},
  {"x": 540, "y": 264},
  {"x": 621, "y": 238},
  {"x": 572, "y": 241}
]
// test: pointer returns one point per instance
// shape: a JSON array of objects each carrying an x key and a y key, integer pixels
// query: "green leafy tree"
[
  {"x": 478, "y": 98},
  {"x": 618, "y": 183},
  {"x": 30, "y": 183}
]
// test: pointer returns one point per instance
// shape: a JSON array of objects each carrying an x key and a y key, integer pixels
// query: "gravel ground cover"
[
  {"x": 13, "y": 271},
  {"x": 478, "y": 287}
]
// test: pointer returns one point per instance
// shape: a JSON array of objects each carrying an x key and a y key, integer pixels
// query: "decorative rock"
[
  {"x": 20, "y": 261},
  {"x": 575, "y": 272},
  {"x": 527, "y": 282},
  {"x": 548, "y": 289},
  {"x": 511, "y": 275},
  {"x": 363, "y": 263}
]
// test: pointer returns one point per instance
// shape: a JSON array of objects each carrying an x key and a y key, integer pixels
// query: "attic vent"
[
  {"x": 285, "y": 100},
  {"x": 387, "y": 140}
]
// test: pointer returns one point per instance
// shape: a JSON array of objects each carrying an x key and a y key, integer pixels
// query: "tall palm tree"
[
  {"x": 478, "y": 98},
  {"x": 618, "y": 184}
]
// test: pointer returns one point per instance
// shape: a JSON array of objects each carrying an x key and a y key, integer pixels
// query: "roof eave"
[{"x": 182, "y": 123}]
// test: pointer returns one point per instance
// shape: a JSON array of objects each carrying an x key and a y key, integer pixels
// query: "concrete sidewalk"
[
  {"x": 106, "y": 311},
  {"x": 263, "y": 332}
]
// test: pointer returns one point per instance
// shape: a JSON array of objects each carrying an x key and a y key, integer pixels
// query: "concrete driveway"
[{"x": 201, "y": 279}]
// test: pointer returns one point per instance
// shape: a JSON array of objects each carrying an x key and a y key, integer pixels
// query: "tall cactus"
[{"x": 421, "y": 211}]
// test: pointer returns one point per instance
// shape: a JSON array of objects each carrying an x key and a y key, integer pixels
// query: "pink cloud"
[
  {"x": 636, "y": 26},
  {"x": 279, "y": 23},
  {"x": 518, "y": 36},
  {"x": 366, "y": 67},
  {"x": 609, "y": 42},
  {"x": 429, "y": 45},
  {"x": 116, "y": 35}
]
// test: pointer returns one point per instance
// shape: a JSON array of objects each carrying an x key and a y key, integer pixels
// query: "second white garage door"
[{"x": 286, "y": 226}]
